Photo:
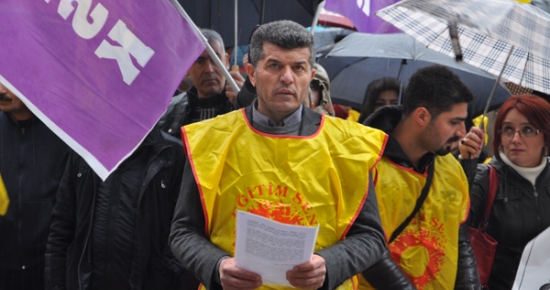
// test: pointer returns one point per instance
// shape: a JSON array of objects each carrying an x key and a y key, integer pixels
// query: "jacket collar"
[
  {"x": 311, "y": 120},
  {"x": 386, "y": 119}
]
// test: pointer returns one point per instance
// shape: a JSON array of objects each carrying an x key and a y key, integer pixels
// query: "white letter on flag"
[
  {"x": 81, "y": 25},
  {"x": 130, "y": 45},
  {"x": 364, "y": 5}
]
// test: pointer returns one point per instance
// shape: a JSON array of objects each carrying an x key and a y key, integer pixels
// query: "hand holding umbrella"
[{"x": 471, "y": 145}]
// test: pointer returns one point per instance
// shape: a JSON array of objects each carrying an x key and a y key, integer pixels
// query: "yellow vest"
[
  {"x": 4, "y": 198},
  {"x": 353, "y": 115},
  {"x": 301, "y": 180},
  {"x": 427, "y": 249}
]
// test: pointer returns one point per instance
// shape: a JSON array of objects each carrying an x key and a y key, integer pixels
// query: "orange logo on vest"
[{"x": 277, "y": 203}]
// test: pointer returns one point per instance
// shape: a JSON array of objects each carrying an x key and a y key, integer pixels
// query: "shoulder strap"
[
  {"x": 418, "y": 205},
  {"x": 493, "y": 186}
]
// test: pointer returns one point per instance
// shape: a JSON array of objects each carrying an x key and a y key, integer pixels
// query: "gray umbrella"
[{"x": 361, "y": 58}]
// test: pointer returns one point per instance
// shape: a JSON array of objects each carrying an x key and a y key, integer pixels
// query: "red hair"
[{"x": 535, "y": 109}]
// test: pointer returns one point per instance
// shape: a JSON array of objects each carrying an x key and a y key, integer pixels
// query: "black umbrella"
[
  {"x": 219, "y": 15},
  {"x": 361, "y": 58}
]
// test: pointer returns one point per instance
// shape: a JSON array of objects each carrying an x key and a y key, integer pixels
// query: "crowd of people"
[{"x": 392, "y": 204}]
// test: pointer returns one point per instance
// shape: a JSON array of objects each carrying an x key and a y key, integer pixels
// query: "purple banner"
[
  {"x": 361, "y": 14},
  {"x": 99, "y": 73}
]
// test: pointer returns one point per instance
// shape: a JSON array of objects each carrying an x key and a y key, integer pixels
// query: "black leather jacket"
[
  {"x": 179, "y": 111},
  {"x": 386, "y": 271},
  {"x": 519, "y": 213},
  {"x": 68, "y": 255}
]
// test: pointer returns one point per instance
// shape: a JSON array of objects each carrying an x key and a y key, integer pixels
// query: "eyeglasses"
[{"x": 525, "y": 132}]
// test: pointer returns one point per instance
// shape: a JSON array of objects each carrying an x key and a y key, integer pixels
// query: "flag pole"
[{"x": 209, "y": 49}]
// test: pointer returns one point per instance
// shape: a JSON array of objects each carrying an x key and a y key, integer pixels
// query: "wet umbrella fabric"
[
  {"x": 219, "y": 15},
  {"x": 488, "y": 31},
  {"x": 361, "y": 58}
]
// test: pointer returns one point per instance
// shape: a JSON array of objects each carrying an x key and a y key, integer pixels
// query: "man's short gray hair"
[
  {"x": 212, "y": 36},
  {"x": 285, "y": 34}
]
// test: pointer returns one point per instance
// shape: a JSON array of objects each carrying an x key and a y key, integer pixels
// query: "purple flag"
[
  {"x": 99, "y": 73},
  {"x": 361, "y": 14}
]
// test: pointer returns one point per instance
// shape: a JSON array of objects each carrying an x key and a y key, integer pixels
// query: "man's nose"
[
  {"x": 462, "y": 131},
  {"x": 287, "y": 75},
  {"x": 210, "y": 66}
]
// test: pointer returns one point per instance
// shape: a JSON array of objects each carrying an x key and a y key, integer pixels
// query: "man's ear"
[
  {"x": 422, "y": 116},
  {"x": 251, "y": 71},
  {"x": 313, "y": 73}
]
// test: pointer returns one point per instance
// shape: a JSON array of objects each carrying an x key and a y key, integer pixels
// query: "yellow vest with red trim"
[
  {"x": 427, "y": 249},
  {"x": 301, "y": 180}
]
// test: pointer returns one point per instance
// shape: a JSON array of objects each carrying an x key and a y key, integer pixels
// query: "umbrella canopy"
[
  {"x": 489, "y": 32},
  {"x": 361, "y": 58},
  {"x": 219, "y": 15}
]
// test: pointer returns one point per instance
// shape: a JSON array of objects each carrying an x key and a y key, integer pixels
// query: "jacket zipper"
[
  {"x": 20, "y": 194},
  {"x": 146, "y": 180},
  {"x": 112, "y": 215},
  {"x": 86, "y": 242},
  {"x": 536, "y": 194}
]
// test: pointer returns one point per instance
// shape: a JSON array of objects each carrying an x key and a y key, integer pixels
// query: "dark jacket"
[
  {"x": 180, "y": 108},
  {"x": 32, "y": 159},
  {"x": 362, "y": 247},
  {"x": 387, "y": 119},
  {"x": 519, "y": 214},
  {"x": 68, "y": 255},
  {"x": 246, "y": 95}
]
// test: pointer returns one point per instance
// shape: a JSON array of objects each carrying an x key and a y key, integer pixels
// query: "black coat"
[
  {"x": 32, "y": 159},
  {"x": 519, "y": 213},
  {"x": 68, "y": 254},
  {"x": 179, "y": 111}
]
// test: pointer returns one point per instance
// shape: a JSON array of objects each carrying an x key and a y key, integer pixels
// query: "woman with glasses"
[{"x": 522, "y": 203}]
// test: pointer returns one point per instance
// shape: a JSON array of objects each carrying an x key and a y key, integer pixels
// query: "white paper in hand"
[
  {"x": 534, "y": 266},
  {"x": 271, "y": 248}
]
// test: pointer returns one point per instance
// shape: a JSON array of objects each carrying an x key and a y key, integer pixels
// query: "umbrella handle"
[
  {"x": 455, "y": 43},
  {"x": 495, "y": 87}
]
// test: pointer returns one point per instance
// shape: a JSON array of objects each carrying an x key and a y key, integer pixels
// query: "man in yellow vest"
[
  {"x": 281, "y": 160},
  {"x": 417, "y": 178}
]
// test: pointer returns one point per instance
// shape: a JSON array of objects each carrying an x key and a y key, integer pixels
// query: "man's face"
[
  {"x": 205, "y": 75},
  {"x": 281, "y": 79},
  {"x": 9, "y": 103},
  {"x": 446, "y": 129}
]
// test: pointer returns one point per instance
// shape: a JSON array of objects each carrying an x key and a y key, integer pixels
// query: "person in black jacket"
[
  {"x": 208, "y": 97},
  {"x": 113, "y": 234},
  {"x": 32, "y": 159},
  {"x": 522, "y": 202}
]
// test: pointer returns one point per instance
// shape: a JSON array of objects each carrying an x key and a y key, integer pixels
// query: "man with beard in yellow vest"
[
  {"x": 422, "y": 190},
  {"x": 281, "y": 160}
]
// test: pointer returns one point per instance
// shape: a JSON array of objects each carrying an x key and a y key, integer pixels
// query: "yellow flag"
[{"x": 4, "y": 199}]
